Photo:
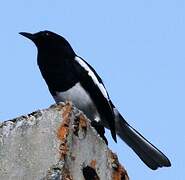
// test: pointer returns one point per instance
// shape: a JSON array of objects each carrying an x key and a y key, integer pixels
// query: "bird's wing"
[
  {"x": 93, "y": 84},
  {"x": 95, "y": 77}
]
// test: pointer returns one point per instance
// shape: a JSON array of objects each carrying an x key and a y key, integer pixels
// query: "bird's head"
[{"x": 50, "y": 42}]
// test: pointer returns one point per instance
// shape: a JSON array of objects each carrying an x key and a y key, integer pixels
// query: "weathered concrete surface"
[{"x": 53, "y": 144}]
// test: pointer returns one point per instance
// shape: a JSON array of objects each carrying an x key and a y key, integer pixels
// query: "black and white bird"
[{"x": 69, "y": 77}]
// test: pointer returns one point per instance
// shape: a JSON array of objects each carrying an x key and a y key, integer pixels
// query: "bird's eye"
[{"x": 47, "y": 34}]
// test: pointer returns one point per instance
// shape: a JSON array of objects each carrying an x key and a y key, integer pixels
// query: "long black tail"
[{"x": 147, "y": 152}]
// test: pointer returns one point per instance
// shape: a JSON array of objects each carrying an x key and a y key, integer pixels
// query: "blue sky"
[{"x": 136, "y": 46}]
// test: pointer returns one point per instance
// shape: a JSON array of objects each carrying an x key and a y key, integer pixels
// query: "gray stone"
[{"x": 53, "y": 144}]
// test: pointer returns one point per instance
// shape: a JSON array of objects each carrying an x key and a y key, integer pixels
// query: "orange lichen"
[
  {"x": 93, "y": 164},
  {"x": 63, "y": 130},
  {"x": 66, "y": 174},
  {"x": 119, "y": 173},
  {"x": 80, "y": 123},
  {"x": 83, "y": 122}
]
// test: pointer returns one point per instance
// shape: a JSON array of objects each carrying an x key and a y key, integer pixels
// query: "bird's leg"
[{"x": 100, "y": 130}]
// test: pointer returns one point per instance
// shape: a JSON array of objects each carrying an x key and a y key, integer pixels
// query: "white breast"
[{"x": 81, "y": 99}]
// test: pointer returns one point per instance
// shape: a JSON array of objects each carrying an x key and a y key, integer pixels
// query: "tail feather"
[{"x": 147, "y": 152}]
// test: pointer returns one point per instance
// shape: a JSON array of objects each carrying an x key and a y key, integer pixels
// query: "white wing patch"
[{"x": 93, "y": 76}]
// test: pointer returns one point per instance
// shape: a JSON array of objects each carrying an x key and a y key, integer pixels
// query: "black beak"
[{"x": 27, "y": 35}]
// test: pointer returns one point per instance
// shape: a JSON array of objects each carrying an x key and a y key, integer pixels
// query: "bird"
[{"x": 70, "y": 78}]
